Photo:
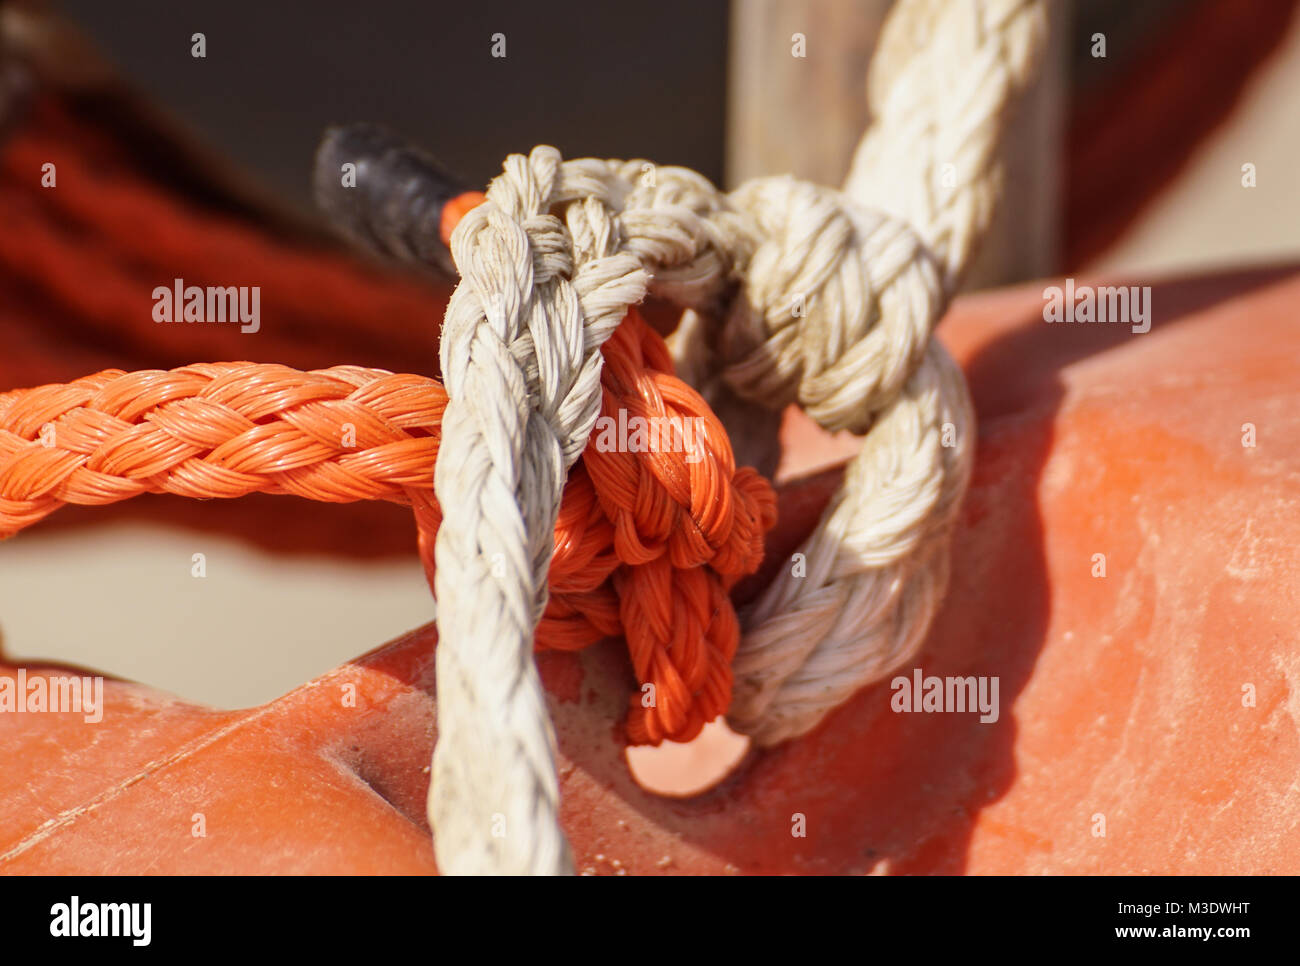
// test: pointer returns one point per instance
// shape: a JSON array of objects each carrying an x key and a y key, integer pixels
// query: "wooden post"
[{"x": 793, "y": 114}]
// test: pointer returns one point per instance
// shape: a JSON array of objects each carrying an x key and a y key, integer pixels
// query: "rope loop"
[{"x": 835, "y": 307}]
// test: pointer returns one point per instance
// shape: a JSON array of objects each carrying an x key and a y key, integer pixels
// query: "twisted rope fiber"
[
  {"x": 216, "y": 430},
  {"x": 941, "y": 90},
  {"x": 860, "y": 358}
]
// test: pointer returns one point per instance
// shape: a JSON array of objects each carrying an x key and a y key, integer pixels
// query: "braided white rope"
[
  {"x": 521, "y": 364},
  {"x": 942, "y": 85},
  {"x": 835, "y": 310},
  {"x": 858, "y": 356}
]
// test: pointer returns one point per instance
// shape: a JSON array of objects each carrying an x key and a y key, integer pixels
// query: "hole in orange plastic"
[{"x": 680, "y": 770}]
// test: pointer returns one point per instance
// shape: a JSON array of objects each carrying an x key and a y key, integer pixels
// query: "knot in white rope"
[{"x": 835, "y": 308}]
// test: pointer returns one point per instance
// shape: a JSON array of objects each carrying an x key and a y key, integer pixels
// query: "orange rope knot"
[
  {"x": 649, "y": 537},
  {"x": 687, "y": 525}
]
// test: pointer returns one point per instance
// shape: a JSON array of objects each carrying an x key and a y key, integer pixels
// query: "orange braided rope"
[
  {"x": 225, "y": 430},
  {"x": 647, "y": 543},
  {"x": 685, "y": 531}
]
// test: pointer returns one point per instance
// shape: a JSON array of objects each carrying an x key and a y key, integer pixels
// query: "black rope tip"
[{"x": 384, "y": 193}]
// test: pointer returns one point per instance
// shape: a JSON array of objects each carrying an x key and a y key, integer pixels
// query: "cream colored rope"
[
  {"x": 812, "y": 297},
  {"x": 521, "y": 364},
  {"x": 942, "y": 86},
  {"x": 945, "y": 78},
  {"x": 859, "y": 358}
]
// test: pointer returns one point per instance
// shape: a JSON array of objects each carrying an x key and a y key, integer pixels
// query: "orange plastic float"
[{"x": 1147, "y": 718}]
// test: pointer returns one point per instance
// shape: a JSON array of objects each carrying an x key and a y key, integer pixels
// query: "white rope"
[
  {"x": 945, "y": 78},
  {"x": 521, "y": 365},
  {"x": 859, "y": 357},
  {"x": 942, "y": 85},
  {"x": 812, "y": 297}
]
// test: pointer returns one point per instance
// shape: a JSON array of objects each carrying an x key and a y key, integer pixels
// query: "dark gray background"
[
  {"x": 609, "y": 78},
  {"x": 595, "y": 78}
]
